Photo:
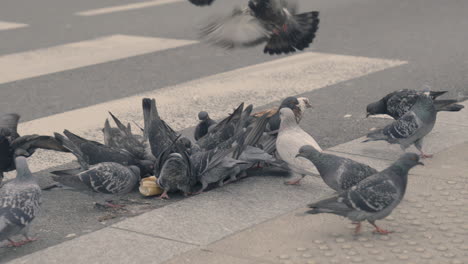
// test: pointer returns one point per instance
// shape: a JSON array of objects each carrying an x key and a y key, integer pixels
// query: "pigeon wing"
[{"x": 239, "y": 29}]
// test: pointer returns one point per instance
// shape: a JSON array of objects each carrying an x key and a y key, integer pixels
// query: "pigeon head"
[
  {"x": 293, "y": 104},
  {"x": 185, "y": 142},
  {"x": 304, "y": 103},
  {"x": 409, "y": 160},
  {"x": 379, "y": 107},
  {"x": 306, "y": 151},
  {"x": 135, "y": 170},
  {"x": 202, "y": 116},
  {"x": 173, "y": 169}
]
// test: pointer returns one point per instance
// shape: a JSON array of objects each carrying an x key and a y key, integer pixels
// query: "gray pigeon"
[
  {"x": 410, "y": 128},
  {"x": 290, "y": 139},
  {"x": 20, "y": 201},
  {"x": 93, "y": 152},
  {"x": 397, "y": 103},
  {"x": 122, "y": 137},
  {"x": 272, "y": 21},
  {"x": 12, "y": 144},
  {"x": 203, "y": 126},
  {"x": 103, "y": 177},
  {"x": 201, "y": 2},
  {"x": 373, "y": 198},
  {"x": 337, "y": 172}
]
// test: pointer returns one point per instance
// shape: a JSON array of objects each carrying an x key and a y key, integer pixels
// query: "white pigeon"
[{"x": 290, "y": 139}]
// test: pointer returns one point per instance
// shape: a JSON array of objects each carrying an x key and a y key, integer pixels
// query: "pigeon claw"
[
  {"x": 164, "y": 195},
  {"x": 293, "y": 182},
  {"x": 426, "y": 156},
  {"x": 381, "y": 231},
  {"x": 20, "y": 243}
]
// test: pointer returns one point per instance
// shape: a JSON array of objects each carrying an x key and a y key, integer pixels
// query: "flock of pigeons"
[
  {"x": 223, "y": 152},
  {"x": 274, "y": 22}
]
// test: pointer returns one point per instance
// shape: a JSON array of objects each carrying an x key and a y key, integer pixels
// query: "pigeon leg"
[
  {"x": 418, "y": 145},
  {"x": 204, "y": 185},
  {"x": 380, "y": 230},
  {"x": 112, "y": 205},
  {"x": 358, "y": 227},
  {"x": 164, "y": 195},
  {"x": 295, "y": 182}
]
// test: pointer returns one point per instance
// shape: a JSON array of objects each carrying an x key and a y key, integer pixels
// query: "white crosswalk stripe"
[
  {"x": 9, "y": 25},
  {"x": 178, "y": 105},
  {"x": 120, "y": 8},
  {"x": 35, "y": 63}
]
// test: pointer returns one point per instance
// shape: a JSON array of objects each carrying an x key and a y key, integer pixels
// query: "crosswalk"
[
  {"x": 29, "y": 64},
  {"x": 9, "y": 25},
  {"x": 120, "y": 8},
  {"x": 179, "y": 104}
]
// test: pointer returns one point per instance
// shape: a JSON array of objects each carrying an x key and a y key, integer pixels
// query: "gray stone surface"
[
  {"x": 210, "y": 216},
  {"x": 109, "y": 245},
  {"x": 429, "y": 227}
]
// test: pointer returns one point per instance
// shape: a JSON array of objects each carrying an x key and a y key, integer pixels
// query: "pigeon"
[
  {"x": 272, "y": 21},
  {"x": 20, "y": 201},
  {"x": 290, "y": 139},
  {"x": 93, "y": 153},
  {"x": 397, "y": 103},
  {"x": 201, "y": 2},
  {"x": 103, "y": 177},
  {"x": 373, "y": 198},
  {"x": 12, "y": 144},
  {"x": 338, "y": 173},
  {"x": 123, "y": 138},
  {"x": 224, "y": 130},
  {"x": 181, "y": 170},
  {"x": 298, "y": 105},
  {"x": 410, "y": 128},
  {"x": 205, "y": 123}
]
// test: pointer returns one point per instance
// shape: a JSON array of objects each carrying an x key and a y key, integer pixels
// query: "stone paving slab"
[
  {"x": 108, "y": 245},
  {"x": 206, "y": 256},
  {"x": 213, "y": 215},
  {"x": 430, "y": 227}
]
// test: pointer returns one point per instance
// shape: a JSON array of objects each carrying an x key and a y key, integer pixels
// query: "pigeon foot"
[{"x": 164, "y": 195}]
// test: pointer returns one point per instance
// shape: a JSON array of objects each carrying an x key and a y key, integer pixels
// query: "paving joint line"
[{"x": 156, "y": 236}]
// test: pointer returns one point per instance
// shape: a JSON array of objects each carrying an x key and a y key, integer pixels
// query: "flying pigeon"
[
  {"x": 373, "y": 198},
  {"x": 337, "y": 172},
  {"x": 20, "y": 201},
  {"x": 397, "y": 103},
  {"x": 201, "y": 2},
  {"x": 410, "y": 128},
  {"x": 272, "y": 21},
  {"x": 205, "y": 123},
  {"x": 93, "y": 153},
  {"x": 12, "y": 144},
  {"x": 123, "y": 138},
  {"x": 103, "y": 177},
  {"x": 290, "y": 139}
]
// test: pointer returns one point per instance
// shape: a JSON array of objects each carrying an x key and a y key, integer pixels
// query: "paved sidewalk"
[
  {"x": 255, "y": 220},
  {"x": 431, "y": 226}
]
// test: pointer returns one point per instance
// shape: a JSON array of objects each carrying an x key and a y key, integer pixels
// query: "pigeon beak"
[
  {"x": 299, "y": 155},
  {"x": 367, "y": 115},
  {"x": 308, "y": 105},
  {"x": 420, "y": 163}
]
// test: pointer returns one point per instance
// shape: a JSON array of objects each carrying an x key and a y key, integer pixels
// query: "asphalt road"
[{"x": 431, "y": 35}]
